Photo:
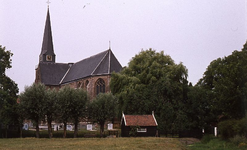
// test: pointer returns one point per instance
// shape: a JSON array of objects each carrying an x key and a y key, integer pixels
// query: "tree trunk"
[
  {"x": 102, "y": 128},
  {"x": 49, "y": 128},
  {"x": 64, "y": 129},
  {"x": 20, "y": 130},
  {"x": 6, "y": 131},
  {"x": 37, "y": 129},
  {"x": 76, "y": 129}
]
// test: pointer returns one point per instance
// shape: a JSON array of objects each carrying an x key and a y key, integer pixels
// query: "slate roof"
[
  {"x": 139, "y": 120},
  {"x": 101, "y": 64},
  {"x": 47, "y": 45},
  {"x": 59, "y": 73},
  {"x": 52, "y": 73}
]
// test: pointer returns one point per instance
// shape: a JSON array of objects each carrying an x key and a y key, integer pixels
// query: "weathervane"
[{"x": 48, "y": 2}]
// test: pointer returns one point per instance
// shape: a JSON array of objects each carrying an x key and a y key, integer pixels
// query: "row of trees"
[
  {"x": 152, "y": 81},
  {"x": 38, "y": 103}
]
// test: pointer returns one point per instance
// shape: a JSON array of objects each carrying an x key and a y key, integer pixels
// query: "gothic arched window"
[{"x": 100, "y": 86}]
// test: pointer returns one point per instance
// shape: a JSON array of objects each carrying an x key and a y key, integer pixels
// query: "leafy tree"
[
  {"x": 79, "y": 103},
  {"x": 64, "y": 107},
  {"x": 103, "y": 108},
  {"x": 31, "y": 101},
  {"x": 198, "y": 107},
  {"x": 226, "y": 78},
  {"x": 153, "y": 82},
  {"x": 49, "y": 105},
  {"x": 8, "y": 92}
]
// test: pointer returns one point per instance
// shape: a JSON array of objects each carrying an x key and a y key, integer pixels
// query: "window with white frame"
[{"x": 141, "y": 129}]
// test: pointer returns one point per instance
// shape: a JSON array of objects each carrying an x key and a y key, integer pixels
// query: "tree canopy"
[
  {"x": 153, "y": 82},
  {"x": 226, "y": 78},
  {"x": 8, "y": 91},
  {"x": 32, "y": 102},
  {"x": 103, "y": 108}
]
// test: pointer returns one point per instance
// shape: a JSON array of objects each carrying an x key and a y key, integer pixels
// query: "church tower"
[{"x": 47, "y": 53}]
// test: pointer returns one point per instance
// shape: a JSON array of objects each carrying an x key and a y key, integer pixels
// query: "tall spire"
[{"x": 47, "y": 53}]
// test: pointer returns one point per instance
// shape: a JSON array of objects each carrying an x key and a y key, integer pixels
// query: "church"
[{"x": 92, "y": 74}]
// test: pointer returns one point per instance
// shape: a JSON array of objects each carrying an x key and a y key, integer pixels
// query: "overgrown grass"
[{"x": 92, "y": 143}]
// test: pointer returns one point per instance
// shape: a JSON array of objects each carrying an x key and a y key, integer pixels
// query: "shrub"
[
  {"x": 238, "y": 139},
  {"x": 243, "y": 127},
  {"x": 228, "y": 129},
  {"x": 207, "y": 138}
]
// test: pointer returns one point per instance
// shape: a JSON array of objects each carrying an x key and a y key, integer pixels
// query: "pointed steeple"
[{"x": 47, "y": 53}]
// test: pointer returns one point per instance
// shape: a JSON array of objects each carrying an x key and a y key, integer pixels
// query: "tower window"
[{"x": 100, "y": 86}]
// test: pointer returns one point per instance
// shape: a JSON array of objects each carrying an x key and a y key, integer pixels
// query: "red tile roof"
[{"x": 139, "y": 120}]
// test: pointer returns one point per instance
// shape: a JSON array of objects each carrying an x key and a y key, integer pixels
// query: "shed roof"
[{"x": 139, "y": 120}]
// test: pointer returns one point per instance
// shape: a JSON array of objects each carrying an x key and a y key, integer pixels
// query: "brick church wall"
[{"x": 89, "y": 84}]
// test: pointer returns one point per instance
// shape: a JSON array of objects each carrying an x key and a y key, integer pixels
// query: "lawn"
[{"x": 92, "y": 143}]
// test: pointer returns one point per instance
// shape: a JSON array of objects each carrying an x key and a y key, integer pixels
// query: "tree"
[
  {"x": 226, "y": 78},
  {"x": 8, "y": 92},
  {"x": 31, "y": 101},
  {"x": 198, "y": 107},
  {"x": 79, "y": 103},
  {"x": 50, "y": 103},
  {"x": 64, "y": 106},
  {"x": 153, "y": 82},
  {"x": 102, "y": 108}
]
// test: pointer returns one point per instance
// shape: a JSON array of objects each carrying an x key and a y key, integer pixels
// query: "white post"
[{"x": 215, "y": 131}]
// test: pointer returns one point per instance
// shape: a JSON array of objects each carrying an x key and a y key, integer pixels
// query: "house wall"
[{"x": 151, "y": 131}]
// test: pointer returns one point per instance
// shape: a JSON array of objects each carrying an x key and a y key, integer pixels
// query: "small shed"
[{"x": 139, "y": 125}]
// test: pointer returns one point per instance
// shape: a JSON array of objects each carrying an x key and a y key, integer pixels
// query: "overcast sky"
[{"x": 193, "y": 32}]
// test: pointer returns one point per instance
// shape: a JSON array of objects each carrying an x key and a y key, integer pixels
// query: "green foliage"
[
  {"x": 153, "y": 82},
  {"x": 216, "y": 144},
  {"x": 38, "y": 104},
  {"x": 79, "y": 104},
  {"x": 230, "y": 128},
  {"x": 50, "y": 103},
  {"x": 198, "y": 107},
  {"x": 32, "y": 102},
  {"x": 226, "y": 78},
  {"x": 64, "y": 104},
  {"x": 207, "y": 138},
  {"x": 8, "y": 92},
  {"x": 238, "y": 140},
  {"x": 5, "y": 61},
  {"x": 103, "y": 108}
]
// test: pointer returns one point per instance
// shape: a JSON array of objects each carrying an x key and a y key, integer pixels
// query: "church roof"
[
  {"x": 100, "y": 64},
  {"x": 52, "y": 73},
  {"x": 47, "y": 45}
]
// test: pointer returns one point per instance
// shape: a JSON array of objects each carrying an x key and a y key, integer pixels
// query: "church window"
[
  {"x": 100, "y": 86},
  {"x": 87, "y": 85}
]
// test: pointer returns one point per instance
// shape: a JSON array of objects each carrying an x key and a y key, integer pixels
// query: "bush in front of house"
[{"x": 230, "y": 128}]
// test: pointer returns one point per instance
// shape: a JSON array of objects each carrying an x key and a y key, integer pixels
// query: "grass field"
[
  {"x": 150, "y": 143},
  {"x": 92, "y": 143}
]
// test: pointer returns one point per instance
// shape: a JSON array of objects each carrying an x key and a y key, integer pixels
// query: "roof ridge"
[
  {"x": 90, "y": 57},
  {"x": 100, "y": 62},
  {"x": 109, "y": 67},
  {"x": 65, "y": 75}
]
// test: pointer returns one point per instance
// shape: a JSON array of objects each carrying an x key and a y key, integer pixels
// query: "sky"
[{"x": 194, "y": 32}]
